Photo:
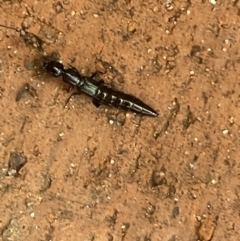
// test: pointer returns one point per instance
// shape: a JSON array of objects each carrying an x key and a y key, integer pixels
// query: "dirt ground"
[{"x": 87, "y": 173}]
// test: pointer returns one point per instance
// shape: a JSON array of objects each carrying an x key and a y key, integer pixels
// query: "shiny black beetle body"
[{"x": 101, "y": 94}]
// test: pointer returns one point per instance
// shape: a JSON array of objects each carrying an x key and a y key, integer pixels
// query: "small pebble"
[
  {"x": 131, "y": 27},
  {"x": 199, "y": 218},
  {"x": 192, "y": 72},
  {"x": 213, "y": 181},
  {"x": 15, "y": 163},
  {"x": 206, "y": 230},
  {"x": 225, "y": 132},
  {"x": 158, "y": 178},
  {"x": 227, "y": 41},
  {"x": 212, "y": 2},
  {"x": 112, "y": 161},
  {"x": 231, "y": 120}
]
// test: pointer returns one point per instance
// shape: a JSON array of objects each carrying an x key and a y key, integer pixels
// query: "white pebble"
[
  {"x": 199, "y": 119},
  {"x": 212, "y": 2},
  {"x": 192, "y": 72},
  {"x": 231, "y": 120},
  {"x": 112, "y": 161},
  {"x": 213, "y": 181},
  {"x": 225, "y": 132},
  {"x": 191, "y": 165},
  {"x": 227, "y": 41},
  {"x": 198, "y": 218}
]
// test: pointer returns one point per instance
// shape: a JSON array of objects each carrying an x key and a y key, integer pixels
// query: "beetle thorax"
[{"x": 72, "y": 77}]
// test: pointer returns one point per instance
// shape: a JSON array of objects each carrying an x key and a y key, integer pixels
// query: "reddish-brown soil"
[{"x": 106, "y": 174}]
